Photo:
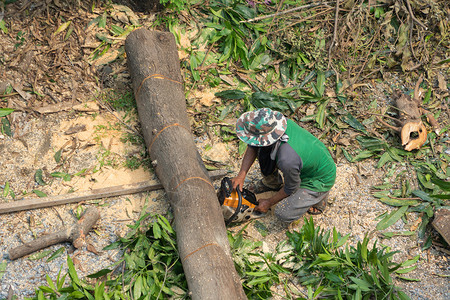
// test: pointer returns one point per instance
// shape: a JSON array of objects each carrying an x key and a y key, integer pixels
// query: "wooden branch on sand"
[
  {"x": 75, "y": 234},
  {"x": 112, "y": 191}
]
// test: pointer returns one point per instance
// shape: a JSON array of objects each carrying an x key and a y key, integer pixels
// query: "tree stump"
[{"x": 201, "y": 234}]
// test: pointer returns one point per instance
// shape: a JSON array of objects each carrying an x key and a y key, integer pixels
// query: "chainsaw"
[{"x": 237, "y": 206}]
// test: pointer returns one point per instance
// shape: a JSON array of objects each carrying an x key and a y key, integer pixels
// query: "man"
[{"x": 280, "y": 144}]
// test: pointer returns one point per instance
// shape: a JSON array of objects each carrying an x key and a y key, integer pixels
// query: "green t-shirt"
[{"x": 318, "y": 172}]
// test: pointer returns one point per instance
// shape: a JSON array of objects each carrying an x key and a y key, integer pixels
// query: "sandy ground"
[{"x": 352, "y": 209}]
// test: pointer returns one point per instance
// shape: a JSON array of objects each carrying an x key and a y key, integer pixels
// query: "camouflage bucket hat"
[{"x": 261, "y": 127}]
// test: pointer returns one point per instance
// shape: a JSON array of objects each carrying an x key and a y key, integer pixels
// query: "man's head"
[{"x": 261, "y": 127}]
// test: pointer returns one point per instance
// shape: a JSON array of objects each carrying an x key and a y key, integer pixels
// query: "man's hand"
[
  {"x": 238, "y": 181},
  {"x": 265, "y": 204},
  {"x": 248, "y": 160}
]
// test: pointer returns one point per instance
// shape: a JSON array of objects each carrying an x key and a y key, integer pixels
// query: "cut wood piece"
[
  {"x": 441, "y": 223},
  {"x": 201, "y": 234},
  {"x": 409, "y": 117},
  {"x": 75, "y": 234},
  {"x": 111, "y": 191}
]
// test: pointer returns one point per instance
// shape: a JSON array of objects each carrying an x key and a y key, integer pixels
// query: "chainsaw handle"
[{"x": 238, "y": 208}]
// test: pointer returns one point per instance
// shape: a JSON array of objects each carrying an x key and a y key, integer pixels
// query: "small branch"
[
  {"x": 412, "y": 15},
  {"x": 75, "y": 234},
  {"x": 388, "y": 125},
  {"x": 353, "y": 80},
  {"x": 416, "y": 89},
  {"x": 384, "y": 116},
  {"x": 431, "y": 120},
  {"x": 333, "y": 42},
  {"x": 304, "y": 19},
  {"x": 284, "y": 12}
]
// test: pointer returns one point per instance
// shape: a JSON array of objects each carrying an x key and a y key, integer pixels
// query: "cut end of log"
[{"x": 408, "y": 129}]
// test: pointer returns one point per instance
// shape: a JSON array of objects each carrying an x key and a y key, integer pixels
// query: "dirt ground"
[{"x": 58, "y": 92}]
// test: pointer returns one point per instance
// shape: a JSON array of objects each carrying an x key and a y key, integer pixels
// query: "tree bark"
[{"x": 202, "y": 239}]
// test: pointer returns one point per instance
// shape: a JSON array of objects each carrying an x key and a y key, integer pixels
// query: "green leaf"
[
  {"x": 384, "y": 159},
  {"x": 427, "y": 243},
  {"x": 50, "y": 283},
  {"x": 3, "y": 268},
  {"x": 102, "y": 21},
  {"x": 411, "y": 261},
  {"x": 392, "y": 234},
  {"x": 6, "y": 190},
  {"x": 398, "y": 202},
  {"x": 325, "y": 256},
  {"x": 77, "y": 295},
  {"x": 39, "y": 255},
  {"x": 263, "y": 99},
  {"x": 408, "y": 279},
  {"x": 444, "y": 185},
  {"x": 99, "y": 292},
  {"x": 226, "y": 111},
  {"x": 112, "y": 246},
  {"x": 342, "y": 240},
  {"x": 6, "y": 127},
  {"x": 117, "y": 30},
  {"x": 231, "y": 94},
  {"x": 156, "y": 231},
  {"x": 362, "y": 284},
  {"x": 285, "y": 73},
  {"x": 321, "y": 114},
  {"x": 72, "y": 272},
  {"x": 46, "y": 289},
  {"x": 100, "y": 273},
  {"x": 320, "y": 83},
  {"x": 330, "y": 263},
  {"x": 63, "y": 175},
  {"x": 406, "y": 270},
  {"x": 258, "y": 280},
  {"x": 363, "y": 155},
  {"x": 424, "y": 196},
  {"x": 38, "y": 177},
  {"x": 261, "y": 227},
  {"x": 39, "y": 193},
  {"x": 165, "y": 224},
  {"x": 353, "y": 122},
  {"x": 137, "y": 287},
  {"x": 392, "y": 218},
  {"x": 242, "y": 147},
  {"x": 3, "y": 27},
  {"x": 62, "y": 27},
  {"x": 56, "y": 254},
  {"x": 57, "y": 156}
]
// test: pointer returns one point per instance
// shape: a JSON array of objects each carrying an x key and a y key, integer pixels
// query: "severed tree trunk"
[{"x": 201, "y": 234}]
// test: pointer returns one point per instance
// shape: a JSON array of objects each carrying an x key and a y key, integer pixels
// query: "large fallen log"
[{"x": 202, "y": 240}]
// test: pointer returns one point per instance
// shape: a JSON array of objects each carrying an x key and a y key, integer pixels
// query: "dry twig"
[
  {"x": 285, "y": 12},
  {"x": 333, "y": 42}
]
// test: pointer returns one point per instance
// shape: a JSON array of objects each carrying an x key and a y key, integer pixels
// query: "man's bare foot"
[{"x": 314, "y": 211}]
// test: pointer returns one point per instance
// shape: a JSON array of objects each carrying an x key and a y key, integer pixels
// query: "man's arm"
[
  {"x": 248, "y": 160},
  {"x": 265, "y": 204}
]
